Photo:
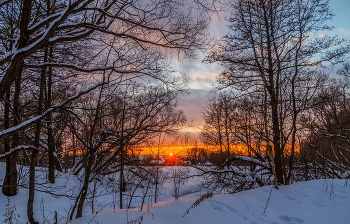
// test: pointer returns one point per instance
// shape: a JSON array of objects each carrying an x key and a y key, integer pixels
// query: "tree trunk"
[
  {"x": 50, "y": 138},
  {"x": 227, "y": 130},
  {"x": 156, "y": 185},
  {"x": 121, "y": 179},
  {"x": 219, "y": 133},
  {"x": 273, "y": 89},
  {"x": 85, "y": 187},
  {"x": 276, "y": 142},
  {"x": 35, "y": 152},
  {"x": 14, "y": 73},
  {"x": 269, "y": 151},
  {"x": 121, "y": 184},
  {"x": 17, "y": 63},
  {"x": 10, "y": 181},
  {"x": 74, "y": 151}
]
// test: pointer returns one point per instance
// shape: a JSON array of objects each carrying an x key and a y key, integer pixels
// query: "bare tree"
[
  {"x": 128, "y": 39},
  {"x": 325, "y": 149},
  {"x": 219, "y": 118},
  {"x": 8, "y": 16},
  {"x": 270, "y": 45},
  {"x": 110, "y": 125}
]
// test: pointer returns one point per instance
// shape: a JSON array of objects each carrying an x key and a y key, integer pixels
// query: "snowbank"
[{"x": 312, "y": 202}]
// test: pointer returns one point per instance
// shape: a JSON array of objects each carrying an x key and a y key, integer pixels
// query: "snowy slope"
[{"x": 312, "y": 202}]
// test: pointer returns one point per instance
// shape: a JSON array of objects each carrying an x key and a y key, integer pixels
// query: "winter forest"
[{"x": 92, "y": 129}]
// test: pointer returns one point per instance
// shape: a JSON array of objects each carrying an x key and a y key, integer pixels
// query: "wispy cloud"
[
  {"x": 202, "y": 80},
  {"x": 344, "y": 32}
]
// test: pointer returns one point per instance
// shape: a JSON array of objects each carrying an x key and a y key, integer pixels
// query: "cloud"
[
  {"x": 344, "y": 32},
  {"x": 202, "y": 80},
  {"x": 193, "y": 103},
  {"x": 201, "y": 75}
]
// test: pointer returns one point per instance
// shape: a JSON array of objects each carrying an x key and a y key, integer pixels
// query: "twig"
[
  {"x": 199, "y": 200},
  {"x": 268, "y": 200}
]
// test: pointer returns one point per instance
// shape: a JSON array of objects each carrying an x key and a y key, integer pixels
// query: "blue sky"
[{"x": 202, "y": 76}]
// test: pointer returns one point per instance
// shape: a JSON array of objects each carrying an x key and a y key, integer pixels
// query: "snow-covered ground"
[{"x": 312, "y": 202}]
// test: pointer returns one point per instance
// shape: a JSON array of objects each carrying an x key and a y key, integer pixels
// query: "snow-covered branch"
[
  {"x": 18, "y": 148},
  {"x": 50, "y": 110}
]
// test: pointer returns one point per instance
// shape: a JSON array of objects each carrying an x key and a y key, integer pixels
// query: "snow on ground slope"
[{"x": 312, "y": 202}]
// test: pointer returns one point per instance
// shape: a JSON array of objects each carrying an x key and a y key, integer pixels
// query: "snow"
[
  {"x": 207, "y": 163},
  {"x": 311, "y": 202},
  {"x": 305, "y": 202}
]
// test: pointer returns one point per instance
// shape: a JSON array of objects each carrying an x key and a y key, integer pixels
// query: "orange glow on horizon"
[{"x": 239, "y": 149}]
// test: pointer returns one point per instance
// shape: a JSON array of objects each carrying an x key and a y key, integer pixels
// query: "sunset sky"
[{"x": 202, "y": 76}]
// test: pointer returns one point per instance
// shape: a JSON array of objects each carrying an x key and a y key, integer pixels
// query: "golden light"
[{"x": 240, "y": 149}]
